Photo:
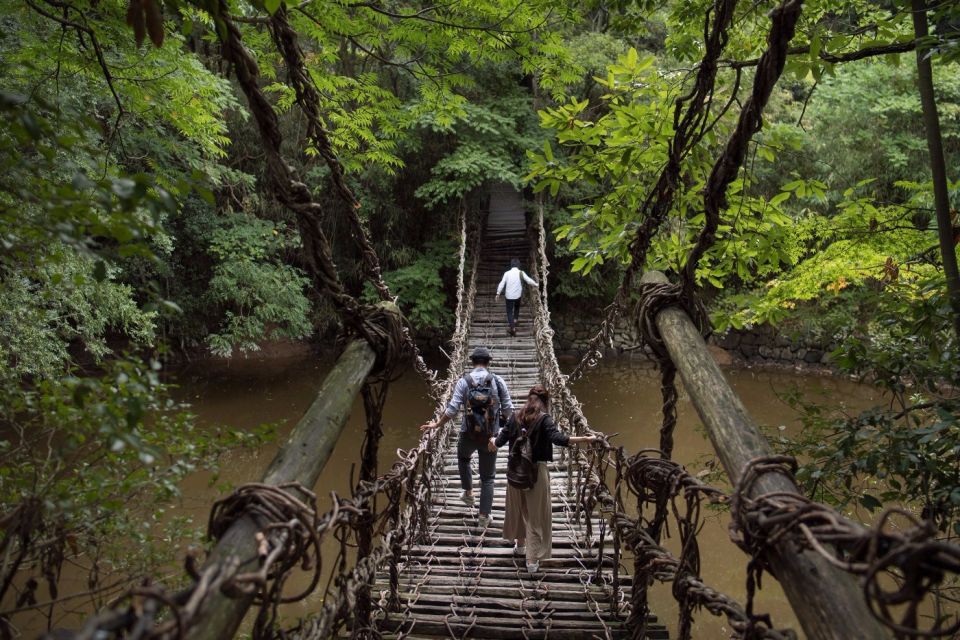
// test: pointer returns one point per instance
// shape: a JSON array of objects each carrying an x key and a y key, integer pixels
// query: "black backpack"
[
  {"x": 521, "y": 469},
  {"x": 480, "y": 407}
]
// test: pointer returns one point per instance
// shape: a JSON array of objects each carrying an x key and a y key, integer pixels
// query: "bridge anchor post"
[
  {"x": 300, "y": 460},
  {"x": 827, "y": 601}
]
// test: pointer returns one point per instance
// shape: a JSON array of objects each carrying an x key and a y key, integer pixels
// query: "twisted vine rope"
[
  {"x": 690, "y": 120},
  {"x": 658, "y": 483},
  {"x": 911, "y": 553},
  {"x": 308, "y": 99}
]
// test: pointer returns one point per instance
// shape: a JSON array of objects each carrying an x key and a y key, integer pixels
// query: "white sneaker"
[
  {"x": 484, "y": 521},
  {"x": 533, "y": 567},
  {"x": 467, "y": 498},
  {"x": 519, "y": 549}
]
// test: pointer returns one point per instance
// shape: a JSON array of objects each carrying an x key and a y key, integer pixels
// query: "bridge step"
[
  {"x": 433, "y": 626},
  {"x": 554, "y": 594}
]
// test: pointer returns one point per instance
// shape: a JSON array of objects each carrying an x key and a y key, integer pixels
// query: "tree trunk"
[{"x": 931, "y": 123}]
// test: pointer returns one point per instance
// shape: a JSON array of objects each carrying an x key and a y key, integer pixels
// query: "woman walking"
[{"x": 529, "y": 514}]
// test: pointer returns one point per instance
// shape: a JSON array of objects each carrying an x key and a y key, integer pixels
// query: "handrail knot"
[
  {"x": 385, "y": 329},
  {"x": 654, "y": 298},
  {"x": 288, "y": 535}
]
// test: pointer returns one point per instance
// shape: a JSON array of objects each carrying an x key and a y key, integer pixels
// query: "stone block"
[{"x": 729, "y": 340}]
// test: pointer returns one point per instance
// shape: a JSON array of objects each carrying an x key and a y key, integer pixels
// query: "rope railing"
[
  {"x": 408, "y": 490},
  {"x": 415, "y": 513},
  {"x": 651, "y": 560},
  {"x": 761, "y": 518}
]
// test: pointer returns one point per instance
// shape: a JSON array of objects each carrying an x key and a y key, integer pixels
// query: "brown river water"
[{"x": 620, "y": 396}]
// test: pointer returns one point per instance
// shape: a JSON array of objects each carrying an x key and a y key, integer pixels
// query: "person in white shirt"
[{"x": 512, "y": 285}]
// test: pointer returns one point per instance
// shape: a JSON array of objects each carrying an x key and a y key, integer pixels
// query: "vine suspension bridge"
[
  {"x": 412, "y": 561},
  {"x": 466, "y": 580}
]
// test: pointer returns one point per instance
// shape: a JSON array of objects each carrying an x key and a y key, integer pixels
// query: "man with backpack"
[
  {"x": 483, "y": 395},
  {"x": 512, "y": 286}
]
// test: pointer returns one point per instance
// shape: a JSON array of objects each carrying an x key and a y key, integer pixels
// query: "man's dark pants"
[
  {"x": 513, "y": 311},
  {"x": 488, "y": 468}
]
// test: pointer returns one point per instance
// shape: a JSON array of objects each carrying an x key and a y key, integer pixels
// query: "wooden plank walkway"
[{"x": 466, "y": 582}]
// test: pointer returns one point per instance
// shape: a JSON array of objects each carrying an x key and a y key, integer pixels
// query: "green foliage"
[
  {"x": 60, "y": 229},
  {"x": 596, "y": 287},
  {"x": 262, "y": 298},
  {"x": 419, "y": 287},
  {"x": 880, "y": 457},
  {"x": 51, "y": 194},
  {"x": 381, "y": 71},
  {"x": 73, "y": 453},
  {"x": 602, "y": 152},
  {"x": 861, "y": 243},
  {"x": 489, "y": 141},
  {"x": 166, "y": 97},
  {"x": 904, "y": 452},
  {"x": 59, "y": 304},
  {"x": 862, "y": 210},
  {"x": 78, "y": 444},
  {"x": 864, "y": 122}
]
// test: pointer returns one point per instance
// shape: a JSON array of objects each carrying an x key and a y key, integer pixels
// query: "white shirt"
[{"x": 511, "y": 280}]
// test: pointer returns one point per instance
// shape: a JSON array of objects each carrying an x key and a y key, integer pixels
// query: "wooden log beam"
[
  {"x": 301, "y": 459},
  {"x": 827, "y": 601}
]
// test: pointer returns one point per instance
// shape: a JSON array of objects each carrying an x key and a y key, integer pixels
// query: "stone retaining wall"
[{"x": 767, "y": 344}]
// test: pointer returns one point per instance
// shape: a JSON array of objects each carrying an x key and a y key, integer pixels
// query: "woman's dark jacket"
[{"x": 545, "y": 436}]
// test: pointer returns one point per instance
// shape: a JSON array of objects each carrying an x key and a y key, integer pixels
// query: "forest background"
[{"x": 137, "y": 225}]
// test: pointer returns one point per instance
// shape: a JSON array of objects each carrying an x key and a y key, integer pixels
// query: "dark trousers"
[
  {"x": 488, "y": 469},
  {"x": 513, "y": 311}
]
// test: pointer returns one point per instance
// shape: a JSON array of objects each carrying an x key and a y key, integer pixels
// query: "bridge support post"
[
  {"x": 827, "y": 601},
  {"x": 300, "y": 459},
  {"x": 374, "y": 396}
]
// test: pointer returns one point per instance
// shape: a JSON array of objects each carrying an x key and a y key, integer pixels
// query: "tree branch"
[
  {"x": 834, "y": 58},
  {"x": 98, "y": 50}
]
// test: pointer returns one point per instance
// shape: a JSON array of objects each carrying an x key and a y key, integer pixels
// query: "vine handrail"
[{"x": 805, "y": 544}]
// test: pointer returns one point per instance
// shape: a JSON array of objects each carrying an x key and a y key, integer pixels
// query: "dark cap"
[{"x": 480, "y": 354}]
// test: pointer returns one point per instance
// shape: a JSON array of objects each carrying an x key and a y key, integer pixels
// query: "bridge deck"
[{"x": 466, "y": 582}]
